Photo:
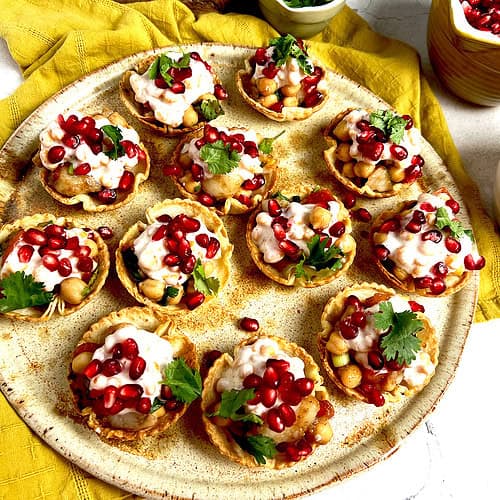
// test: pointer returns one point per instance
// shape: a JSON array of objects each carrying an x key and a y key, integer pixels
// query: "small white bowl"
[{"x": 302, "y": 22}]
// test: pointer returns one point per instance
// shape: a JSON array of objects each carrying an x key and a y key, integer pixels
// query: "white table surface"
[{"x": 452, "y": 455}]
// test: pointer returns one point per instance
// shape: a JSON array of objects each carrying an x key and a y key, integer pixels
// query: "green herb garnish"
[
  {"x": 115, "y": 134},
  {"x": 456, "y": 229},
  {"x": 207, "y": 286},
  {"x": 294, "y": 4},
  {"x": 163, "y": 63},
  {"x": 286, "y": 47},
  {"x": 261, "y": 447},
  {"x": 219, "y": 157},
  {"x": 266, "y": 145},
  {"x": 132, "y": 264},
  {"x": 71, "y": 169},
  {"x": 20, "y": 290},
  {"x": 400, "y": 343},
  {"x": 320, "y": 257},
  {"x": 211, "y": 109},
  {"x": 184, "y": 382},
  {"x": 390, "y": 123},
  {"x": 157, "y": 404},
  {"x": 231, "y": 406}
]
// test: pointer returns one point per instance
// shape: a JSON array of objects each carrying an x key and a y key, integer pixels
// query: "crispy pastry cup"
[
  {"x": 149, "y": 320},
  {"x": 285, "y": 275},
  {"x": 58, "y": 305},
  {"x": 289, "y": 113},
  {"x": 333, "y": 311},
  {"x": 222, "y": 439},
  {"x": 90, "y": 202},
  {"x": 222, "y": 265},
  {"x": 230, "y": 205},
  {"x": 331, "y": 161},
  {"x": 136, "y": 109},
  {"x": 408, "y": 283}
]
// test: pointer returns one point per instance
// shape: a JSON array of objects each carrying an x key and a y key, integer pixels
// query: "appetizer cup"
[
  {"x": 123, "y": 375},
  {"x": 49, "y": 265}
]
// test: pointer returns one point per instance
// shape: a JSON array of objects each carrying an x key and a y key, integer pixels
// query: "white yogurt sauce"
[
  {"x": 35, "y": 267},
  {"x": 252, "y": 359},
  {"x": 104, "y": 170},
  {"x": 169, "y": 108},
  {"x": 156, "y": 351}
]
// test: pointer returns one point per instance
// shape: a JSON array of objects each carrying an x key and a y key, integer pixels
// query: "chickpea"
[
  {"x": 73, "y": 290},
  {"x": 397, "y": 174},
  {"x": 336, "y": 344},
  {"x": 290, "y": 90},
  {"x": 363, "y": 169},
  {"x": 343, "y": 152},
  {"x": 320, "y": 217},
  {"x": 350, "y": 375},
  {"x": 379, "y": 180},
  {"x": 268, "y": 100},
  {"x": 290, "y": 102},
  {"x": 152, "y": 289},
  {"x": 81, "y": 361},
  {"x": 190, "y": 117},
  {"x": 379, "y": 238},
  {"x": 346, "y": 243},
  {"x": 348, "y": 169},
  {"x": 341, "y": 131},
  {"x": 191, "y": 186},
  {"x": 266, "y": 86},
  {"x": 321, "y": 432},
  {"x": 93, "y": 247}
]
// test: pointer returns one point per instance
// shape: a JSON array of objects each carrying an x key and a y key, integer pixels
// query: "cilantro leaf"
[
  {"x": 280, "y": 196},
  {"x": 211, "y": 109},
  {"x": 287, "y": 46},
  {"x": 153, "y": 69},
  {"x": 400, "y": 343},
  {"x": 231, "y": 406},
  {"x": 20, "y": 290},
  {"x": 457, "y": 230},
  {"x": 115, "y": 134},
  {"x": 219, "y": 157},
  {"x": 261, "y": 447},
  {"x": 163, "y": 63},
  {"x": 171, "y": 291},
  {"x": 390, "y": 123},
  {"x": 320, "y": 257},
  {"x": 207, "y": 286},
  {"x": 266, "y": 145},
  {"x": 157, "y": 404},
  {"x": 184, "y": 381}
]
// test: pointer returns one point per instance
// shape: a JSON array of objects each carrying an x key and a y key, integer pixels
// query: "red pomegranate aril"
[
  {"x": 160, "y": 233},
  {"x": 171, "y": 259},
  {"x": 72, "y": 243},
  {"x": 260, "y": 56},
  {"x": 381, "y": 252},
  {"x": 417, "y": 160},
  {"x": 389, "y": 225},
  {"x": 362, "y": 215},
  {"x": 412, "y": 173},
  {"x": 45, "y": 250},
  {"x": 337, "y": 229},
  {"x": 438, "y": 286},
  {"x": 313, "y": 99},
  {"x": 64, "y": 268},
  {"x": 197, "y": 172},
  {"x": 245, "y": 200},
  {"x": 189, "y": 224},
  {"x": 107, "y": 196},
  {"x": 55, "y": 230},
  {"x": 252, "y": 381},
  {"x": 34, "y": 236},
  {"x": 432, "y": 235},
  {"x": 424, "y": 282},
  {"x": 418, "y": 216},
  {"x": 413, "y": 227},
  {"x": 274, "y": 208},
  {"x": 130, "y": 391},
  {"x": 358, "y": 319},
  {"x": 289, "y": 248},
  {"x": 110, "y": 396},
  {"x": 96, "y": 148},
  {"x": 353, "y": 301},
  {"x": 268, "y": 396},
  {"x": 371, "y": 150},
  {"x": 409, "y": 121},
  {"x": 440, "y": 269},
  {"x": 363, "y": 125},
  {"x": 137, "y": 367},
  {"x": 25, "y": 253},
  {"x": 210, "y": 134},
  {"x": 270, "y": 378},
  {"x": 171, "y": 245},
  {"x": 187, "y": 264},
  {"x": 398, "y": 152},
  {"x": 375, "y": 360},
  {"x": 173, "y": 170},
  {"x": 274, "y": 420},
  {"x": 184, "y": 249},
  {"x": 325, "y": 409},
  {"x": 166, "y": 392},
  {"x": 178, "y": 88},
  {"x": 347, "y": 329},
  {"x": 165, "y": 218},
  {"x": 473, "y": 264},
  {"x": 349, "y": 200},
  {"x": 206, "y": 199},
  {"x": 249, "y": 324},
  {"x": 111, "y": 367},
  {"x": 71, "y": 141},
  {"x": 304, "y": 386},
  {"x": 144, "y": 405},
  {"x": 126, "y": 181},
  {"x": 277, "y": 107},
  {"x": 286, "y": 379},
  {"x": 89, "y": 122},
  {"x": 94, "y": 135},
  {"x": 56, "y": 242},
  {"x": 50, "y": 261},
  {"x": 93, "y": 369},
  {"x": 452, "y": 245},
  {"x": 314, "y": 77},
  {"x": 290, "y": 395},
  {"x": 279, "y": 365},
  {"x": 416, "y": 307},
  {"x": 291, "y": 452},
  {"x": 56, "y": 154},
  {"x": 304, "y": 449},
  {"x": 117, "y": 351},
  {"x": 255, "y": 183},
  {"x": 427, "y": 207},
  {"x": 82, "y": 169},
  {"x": 256, "y": 399},
  {"x": 129, "y": 348},
  {"x": 220, "y": 92},
  {"x": 202, "y": 240},
  {"x": 194, "y": 300},
  {"x": 212, "y": 248},
  {"x": 453, "y": 205},
  {"x": 83, "y": 251},
  {"x": 85, "y": 264},
  {"x": 287, "y": 414},
  {"x": 278, "y": 231},
  {"x": 375, "y": 397},
  {"x": 252, "y": 151},
  {"x": 270, "y": 71}
]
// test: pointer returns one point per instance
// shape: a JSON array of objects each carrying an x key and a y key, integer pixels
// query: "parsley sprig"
[
  {"x": 219, "y": 157},
  {"x": 185, "y": 382},
  {"x": 286, "y": 47},
  {"x": 20, "y": 290},
  {"x": 211, "y": 109},
  {"x": 456, "y": 229},
  {"x": 401, "y": 342},
  {"x": 390, "y": 123},
  {"x": 231, "y": 406},
  {"x": 163, "y": 63},
  {"x": 115, "y": 134},
  {"x": 261, "y": 447},
  {"x": 266, "y": 145},
  {"x": 320, "y": 257},
  {"x": 207, "y": 286}
]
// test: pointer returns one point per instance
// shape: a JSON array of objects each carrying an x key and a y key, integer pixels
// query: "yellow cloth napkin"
[{"x": 57, "y": 41}]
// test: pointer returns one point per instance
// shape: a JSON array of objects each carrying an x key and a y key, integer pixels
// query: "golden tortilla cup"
[
  {"x": 83, "y": 189},
  {"x": 157, "y": 294},
  {"x": 291, "y": 270},
  {"x": 133, "y": 425},
  {"x": 351, "y": 377},
  {"x": 310, "y": 429},
  {"x": 72, "y": 293}
]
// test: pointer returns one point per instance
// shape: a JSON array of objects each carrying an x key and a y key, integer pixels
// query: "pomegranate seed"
[
  {"x": 432, "y": 235},
  {"x": 268, "y": 396},
  {"x": 83, "y": 251},
  {"x": 206, "y": 199},
  {"x": 255, "y": 183},
  {"x": 56, "y": 154},
  {"x": 184, "y": 250},
  {"x": 202, "y": 240},
  {"x": 256, "y": 399},
  {"x": 417, "y": 160},
  {"x": 82, "y": 169},
  {"x": 189, "y": 224},
  {"x": 117, "y": 351},
  {"x": 454, "y": 205},
  {"x": 64, "y": 268},
  {"x": 45, "y": 250},
  {"x": 291, "y": 452},
  {"x": 286, "y": 378},
  {"x": 212, "y": 248},
  {"x": 94, "y": 135},
  {"x": 188, "y": 262},
  {"x": 375, "y": 360},
  {"x": 160, "y": 233},
  {"x": 349, "y": 200},
  {"x": 252, "y": 381},
  {"x": 375, "y": 397},
  {"x": 130, "y": 391},
  {"x": 193, "y": 300},
  {"x": 438, "y": 286},
  {"x": 389, "y": 225},
  {"x": 304, "y": 449},
  {"x": 381, "y": 252},
  {"x": 274, "y": 208},
  {"x": 171, "y": 259},
  {"x": 143, "y": 405},
  {"x": 56, "y": 242},
  {"x": 107, "y": 196},
  {"x": 270, "y": 378},
  {"x": 337, "y": 229},
  {"x": 105, "y": 232},
  {"x": 111, "y": 367},
  {"x": 85, "y": 264},
  {"x": 35, "y": 236},
  {"x": 126, "y": 181},
  {"x": 279, "y": 365},
  {"x": 413, "y": 227},
  {"x": 249, "y": 324},
  {"x": 279, "y": 231},
  {"x": 178, "y": 88},
  {"x": 287, "y": 414},
  {"x": 371, "y": 150},
  {"x": 129, "y": 348},
  {"x": 313, "y": 99},
  {"x": 418, "y": 216},
  {"x": 314, "y": 77},
  {"x": 362, "y": 215},
  {"x": 71, "y": 141},
  {"x": 72, "y": 243},
  {"x": 110, "y": 395},
  {"x": 290, "y": 395},
  {"x": 358, "y": 319},
  {"x": 55, "y": 230},
  {"x": 96, "y": 148},
  {"x": 452, "y": 245},
  {"x": 137, "y": 367},
  {"x": 220, "y": 92},
  {"x": 270, "y": 71},
  {"x": 25, "y": 253},
  {"x": 472, "y": 264},
  {"x": 180, "y": 74},
  {"x": 409, "y": 121},
  {"x": 424, "y": 282},
  {"x": 440, "y": 269},
  {"x": 304, "y": 386},
  {"x": 347, "y": 329},
  {"x": 50, "y": 261},
  {"x": 166, "y": 392},
  {"x": 412, "y": 173},
  {"x": 93, "y": 368},
  {"x": 274, "y": 421},
  {"x": 353, "y": 301},
  {"x": 289, "y": 248},
  {"x": 427, "y": 207},
  {"x": 325, "y": 409},
  {"x": 277, "y": 107},
  {"x": 252, "y": 151},
  {"x": 416, "y": 307},
  {"x": 245, "y": 200},
  {"x": 398, "y": 152}
]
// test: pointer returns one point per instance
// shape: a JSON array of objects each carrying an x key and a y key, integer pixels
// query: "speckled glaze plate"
[{"x": 183, "y": 464}]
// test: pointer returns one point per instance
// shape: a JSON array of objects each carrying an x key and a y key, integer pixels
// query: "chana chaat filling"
[
  {"x": 377, "y": 150},
  {"x": 172, "y": 259},
  {"x": 269, "y": 406},
  {"x": 133, "y": 374},
  {"x": 284, "y": 76},
  {"x": 225, "y": 163},
  {"x": 178, "y": 89},
  {"x": 305, "y": 234},
  {"x": 91, "y": 155},
  {"x": 426, "y": 246},
  {"x": 374, "y": 348},
  {"x": 41, "y": 263}
]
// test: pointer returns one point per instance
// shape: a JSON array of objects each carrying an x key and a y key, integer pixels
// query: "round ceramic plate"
[{"x": 183, "y": 464}]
